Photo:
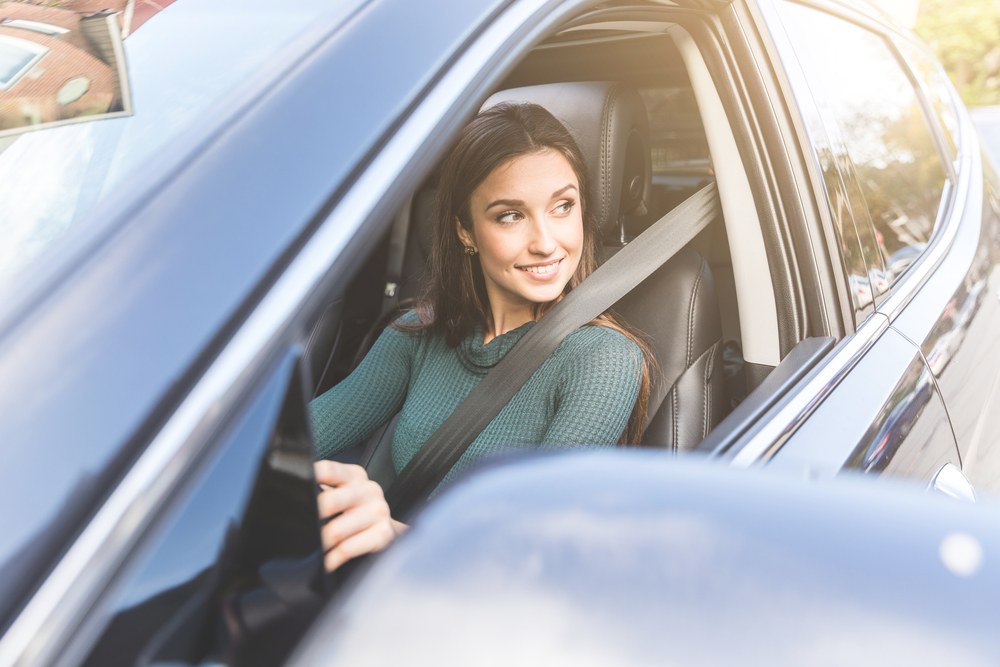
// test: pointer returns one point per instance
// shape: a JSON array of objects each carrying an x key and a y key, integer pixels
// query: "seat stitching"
[
  {"x": 674, "y": 390},
  {"x": 673, "y": 400},
  {"x": 709, "y": 367},
  {"x": 606, "y": 153},
  {"x": 691, "y": 309}
]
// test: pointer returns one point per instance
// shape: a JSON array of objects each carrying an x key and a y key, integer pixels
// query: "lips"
[{"x": 543, "y": 270}]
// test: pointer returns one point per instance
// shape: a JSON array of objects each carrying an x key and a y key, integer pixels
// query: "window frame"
[
  {"x": 25, "y": 45},
  {"x": 890, "y": 35},
  {"x": 35, "y": 26}
]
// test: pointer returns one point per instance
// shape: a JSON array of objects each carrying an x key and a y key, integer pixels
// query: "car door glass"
[
  {"x": 233, "y": 572},
  {"x": 884, "y": 131},
  {"x": 937, "y": 89},
  {"x": 830, "y": 156}
]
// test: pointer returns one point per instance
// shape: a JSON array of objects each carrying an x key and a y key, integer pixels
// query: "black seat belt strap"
[
  {"x": 397, "y": 256},
  {"x": 609, "y": 283}
]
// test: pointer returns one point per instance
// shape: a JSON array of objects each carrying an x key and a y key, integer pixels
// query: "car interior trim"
[
  {"x": 755, "y": 292},
  {"x": 73, "y": 583},
  {"x": 743, "y": 97},
  {"x": 759, "y": 322},
  {"x": 634, "y": 26},
  {"x": 772, "y": 432}
]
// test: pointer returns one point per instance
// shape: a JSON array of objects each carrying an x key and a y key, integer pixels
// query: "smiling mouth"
[{"x": 543, "y": 270}]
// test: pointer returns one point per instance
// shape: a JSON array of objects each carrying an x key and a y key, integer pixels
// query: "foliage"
[{"x": 965, "y": 36}]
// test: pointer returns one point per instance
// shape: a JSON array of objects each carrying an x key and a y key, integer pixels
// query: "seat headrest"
[{"x": 608, "y": 121}]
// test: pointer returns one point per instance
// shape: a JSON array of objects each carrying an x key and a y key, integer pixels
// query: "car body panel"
[
  {"x": 887, "y": 400},
  {"x": 955, "y": 319},
  {"x": 631, "y": 558},
  {"x": 240, "y": 536}
]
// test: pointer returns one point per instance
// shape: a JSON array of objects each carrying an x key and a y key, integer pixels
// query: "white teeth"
[{"x": 548, "y": 268}]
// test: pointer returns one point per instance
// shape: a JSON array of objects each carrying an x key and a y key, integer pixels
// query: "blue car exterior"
[
  {"x": 640, "y": 560},
  {"x": 162, "y": 342}
]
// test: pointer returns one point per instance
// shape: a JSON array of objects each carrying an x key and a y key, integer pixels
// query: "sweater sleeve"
[
  {"x": 600, "y": 382},
  {"x": 350, "y": 412}
]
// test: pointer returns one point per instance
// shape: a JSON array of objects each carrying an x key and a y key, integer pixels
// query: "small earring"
[{"x": 470, "y": 250}]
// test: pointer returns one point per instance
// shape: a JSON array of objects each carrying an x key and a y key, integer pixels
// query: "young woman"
[{"x": 513, "y": 235}]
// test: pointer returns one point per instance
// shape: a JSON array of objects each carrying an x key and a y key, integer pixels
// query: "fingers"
[
  {"x": 336, "y": 500},
  {"x": 334, "y": 473},
  {"x": 361, "y": 520},
  {"x": 375, "y": 538},
  {"x": 350, "y": 523}
]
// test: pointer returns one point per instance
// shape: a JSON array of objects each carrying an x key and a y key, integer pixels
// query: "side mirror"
[{"x": 951, "y": 481}]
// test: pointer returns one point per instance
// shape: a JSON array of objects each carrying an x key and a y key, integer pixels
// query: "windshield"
[{"x": 177, "y": 59}]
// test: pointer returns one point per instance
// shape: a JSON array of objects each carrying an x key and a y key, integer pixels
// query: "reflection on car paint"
[
  {"x": 244, "y": 540},
  {"x": 62, "y": 63},
  {"x": 911, "y": 434},
  {"x": 962, "y": 346}
]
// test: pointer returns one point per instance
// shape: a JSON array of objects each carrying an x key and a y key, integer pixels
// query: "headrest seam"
[{"x": 605, "y": 184}]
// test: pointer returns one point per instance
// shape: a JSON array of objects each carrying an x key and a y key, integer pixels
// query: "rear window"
[{"x": 885, "y": 134}]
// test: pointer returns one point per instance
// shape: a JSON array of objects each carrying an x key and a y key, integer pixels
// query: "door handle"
[{"x": 951, "y": 481}]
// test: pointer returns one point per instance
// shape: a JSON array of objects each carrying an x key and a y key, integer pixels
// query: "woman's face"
[{"x": 527, "y": 224}]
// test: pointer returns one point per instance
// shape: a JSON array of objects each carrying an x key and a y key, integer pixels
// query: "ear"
[{"x": 463, "y": 234}]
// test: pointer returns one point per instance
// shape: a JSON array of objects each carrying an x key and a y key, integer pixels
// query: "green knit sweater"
[{"x": 581, "y": 396}]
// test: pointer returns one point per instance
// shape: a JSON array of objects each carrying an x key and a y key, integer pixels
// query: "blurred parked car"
[{"x": 191, "y": 258}]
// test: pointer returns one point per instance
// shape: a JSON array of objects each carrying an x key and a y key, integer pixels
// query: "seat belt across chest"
[{"x": 599, "y": 292}]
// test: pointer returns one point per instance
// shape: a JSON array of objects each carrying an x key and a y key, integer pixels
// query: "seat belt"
[
  {"x": 397, "y": 256},
  {"x": 601, "y": 290}
]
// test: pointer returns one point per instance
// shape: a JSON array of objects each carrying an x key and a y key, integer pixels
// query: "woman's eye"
[
  {"x": 509, "y": 216},
  {"x": 565, "y": 207}
]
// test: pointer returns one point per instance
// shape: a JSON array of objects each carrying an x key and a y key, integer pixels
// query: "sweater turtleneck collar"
[{"x": 485, "y": 357}]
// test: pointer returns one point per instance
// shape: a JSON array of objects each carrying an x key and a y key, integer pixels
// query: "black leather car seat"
[{"x": 676, "y": 308}]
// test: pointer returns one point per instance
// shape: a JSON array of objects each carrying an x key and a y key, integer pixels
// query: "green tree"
[{"x": 965, "y": 36}]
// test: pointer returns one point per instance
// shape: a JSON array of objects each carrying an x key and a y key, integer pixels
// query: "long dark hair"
[{"x": 456, "y": 300}]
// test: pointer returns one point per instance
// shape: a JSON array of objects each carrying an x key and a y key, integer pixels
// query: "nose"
[{"x": 542, "y": 242}]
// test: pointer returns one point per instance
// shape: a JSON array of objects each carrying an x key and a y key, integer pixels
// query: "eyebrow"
[{"x": 518, "y": 202}]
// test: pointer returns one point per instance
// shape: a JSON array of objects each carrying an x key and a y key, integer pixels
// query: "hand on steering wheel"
[{"x": 361, "y": 520}]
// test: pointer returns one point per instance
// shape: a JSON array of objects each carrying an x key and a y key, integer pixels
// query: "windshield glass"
[{"x": 175, "y": 60}]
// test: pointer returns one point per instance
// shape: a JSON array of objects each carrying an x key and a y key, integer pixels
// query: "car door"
[
  {"x": 950, "y": 307},
  {"x": 875, "y": 406}
]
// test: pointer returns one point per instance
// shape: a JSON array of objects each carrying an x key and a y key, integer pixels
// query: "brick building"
[{"x": 59, "y": 60}]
